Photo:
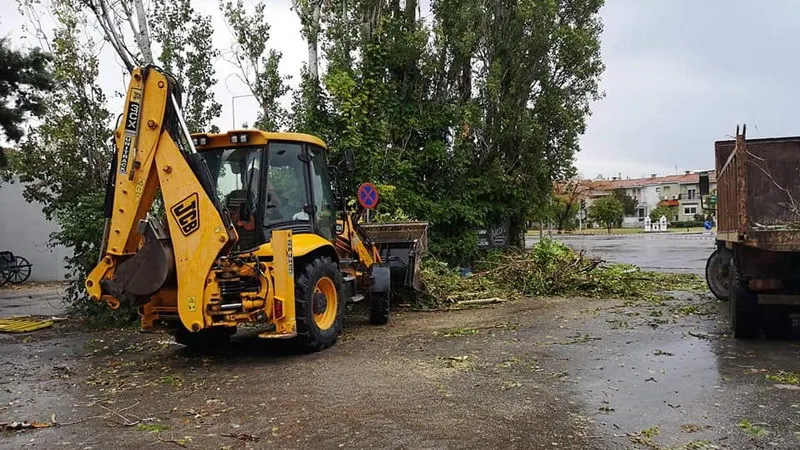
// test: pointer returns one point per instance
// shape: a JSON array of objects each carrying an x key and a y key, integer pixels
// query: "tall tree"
[
  {"x": 188, "y": 52},
  {"x": 257, "y": 64},
  {"x": 309, "y": 110},
  {"x": 24, "y": 80},
  {"x": 628, "y": 203},
  {"x": 607, "y": 210},
  {"x": 568, "y": 195},
  {"x": 64, "y": 160},
  {"x": 114, "y": 17}
]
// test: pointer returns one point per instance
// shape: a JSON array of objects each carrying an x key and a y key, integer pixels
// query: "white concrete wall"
[
  {"x": 650, "y": 198},
  {"x": 25, "y": 231}
]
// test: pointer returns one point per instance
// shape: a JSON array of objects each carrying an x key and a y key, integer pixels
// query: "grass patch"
[{"x": 784, "y": 378}]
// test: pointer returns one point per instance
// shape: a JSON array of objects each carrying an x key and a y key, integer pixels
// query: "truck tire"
[
  {"x": 776, "y": 321},
  {"x": 379, "y": 307},
  {"x": 319, "y": 304},
  {"x": 717, "y": 273},
  {"x": 745, "y": 316}
]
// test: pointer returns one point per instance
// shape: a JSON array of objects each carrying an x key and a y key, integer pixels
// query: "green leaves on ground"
[
  {"x": 752, "y": 429},
  {"x": 784, "y": 378}
]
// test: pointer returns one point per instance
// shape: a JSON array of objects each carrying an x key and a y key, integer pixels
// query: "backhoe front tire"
[{"x": 319, "y": 301}]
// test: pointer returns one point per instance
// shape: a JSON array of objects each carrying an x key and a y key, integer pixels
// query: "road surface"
[
  {"x": 668, "y": 252},
  {"x": 538, "y": 373}
]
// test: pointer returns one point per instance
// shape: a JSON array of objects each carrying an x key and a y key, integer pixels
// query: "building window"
[
  {"x": 691, "y": 194},
  {"x": 640, "y": 214},
  {"x": 658, "y": 189},
  {"x": 689, "y": 210}
]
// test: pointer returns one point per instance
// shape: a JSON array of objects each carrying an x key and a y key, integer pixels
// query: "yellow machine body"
[{"x": 179, "y": 259}]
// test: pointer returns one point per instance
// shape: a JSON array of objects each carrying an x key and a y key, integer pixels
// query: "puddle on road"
[{"x": 692, "y": 387}]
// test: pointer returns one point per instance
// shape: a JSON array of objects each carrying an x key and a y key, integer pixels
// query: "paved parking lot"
[{"x": 667, "y": 252}]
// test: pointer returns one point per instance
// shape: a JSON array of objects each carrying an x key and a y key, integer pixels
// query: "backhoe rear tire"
[{"x": 319, "y": 304}]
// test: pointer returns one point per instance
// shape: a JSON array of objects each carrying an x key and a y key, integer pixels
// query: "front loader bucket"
[{"x": 401, "y": 246}]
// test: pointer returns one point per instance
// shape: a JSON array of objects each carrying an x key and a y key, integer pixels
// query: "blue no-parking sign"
[{"x": 368, "y": 196}]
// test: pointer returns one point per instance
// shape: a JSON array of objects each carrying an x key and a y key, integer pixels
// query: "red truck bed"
[{"x": 758, "y": 192}]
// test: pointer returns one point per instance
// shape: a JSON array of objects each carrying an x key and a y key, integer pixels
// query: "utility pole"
[{"x": 233, "y": 107}]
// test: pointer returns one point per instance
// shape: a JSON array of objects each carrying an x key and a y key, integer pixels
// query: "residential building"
[{"x": 680, "y": 191}]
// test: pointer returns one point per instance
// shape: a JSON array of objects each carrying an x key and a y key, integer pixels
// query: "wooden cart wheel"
[{"x": 19, "y": 271}]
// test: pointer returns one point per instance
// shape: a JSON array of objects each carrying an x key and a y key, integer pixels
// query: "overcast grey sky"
[{"x": 679, "y": 75}]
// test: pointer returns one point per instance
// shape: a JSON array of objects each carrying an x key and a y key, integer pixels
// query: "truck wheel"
[
  {"x": 776, "y": 321},
  {"x": 205, "y": 340},
  {"x": 743, "y": 306},
  {"x": 319, "y": 300},
  {"x": 717, "y": 276},
  {"x": 379, "y": 307}
]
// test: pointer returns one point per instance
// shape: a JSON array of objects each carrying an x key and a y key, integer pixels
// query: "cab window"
[
  {"x": 286, "y": 197},
  {"x": 325, "y": 217}
]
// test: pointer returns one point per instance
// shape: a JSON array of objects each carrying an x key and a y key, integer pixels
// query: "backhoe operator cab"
[
  {"x": 248, "y": 232},
  {"x": 270, "y": 181}
]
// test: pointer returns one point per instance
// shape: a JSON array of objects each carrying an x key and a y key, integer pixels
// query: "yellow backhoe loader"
[{"x": 249, "y": 230}]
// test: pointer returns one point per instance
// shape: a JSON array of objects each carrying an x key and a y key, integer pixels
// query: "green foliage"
[
  {"x": 64, "y": 160},
  {"x": 662, "y": 210},
  {"x": 751, "y": 429},
  {"x": 628, "y": 203},
  {"x": 607, "y": 210},
  {"x": 550, "y": 268},
  {"x": 565, "y": 213},
  {"x": 784, "y": 377},
  {"x": 25, "y": 78},
  {"x": 687, "y": 224},
  {"x": 471, "y": 128},
  {"x": 187, "y": 51}
]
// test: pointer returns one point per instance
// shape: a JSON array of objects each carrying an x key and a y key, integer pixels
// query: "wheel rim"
[
  {"x": 325, "y": 303},
  {"x": 719, "y": 271},
  {"x": 718, "y": 276},
  {"x": 20, "y": 271}
]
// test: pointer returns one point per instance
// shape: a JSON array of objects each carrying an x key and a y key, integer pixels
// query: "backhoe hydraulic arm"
[{"x": 154, "y": 153}]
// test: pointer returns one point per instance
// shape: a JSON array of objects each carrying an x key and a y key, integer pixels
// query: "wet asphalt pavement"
[
  {"x": 537, "y": 373},
  {"x": 666, "y": 252},
  {"x": 33, "y": 299}
]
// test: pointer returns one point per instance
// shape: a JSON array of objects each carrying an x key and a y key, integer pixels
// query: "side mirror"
[{"x": 349, "y": 161}]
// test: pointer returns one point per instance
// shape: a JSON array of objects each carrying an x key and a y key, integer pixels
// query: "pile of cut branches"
[{"x": 550, "y": 268}]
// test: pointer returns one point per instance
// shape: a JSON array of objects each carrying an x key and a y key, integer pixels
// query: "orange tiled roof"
[{"x": 650, "y": 181}]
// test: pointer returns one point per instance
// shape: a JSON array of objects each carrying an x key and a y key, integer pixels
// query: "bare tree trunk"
[
  {"x": 143, "y": 36},
  {"x": 313, "y": 41}
]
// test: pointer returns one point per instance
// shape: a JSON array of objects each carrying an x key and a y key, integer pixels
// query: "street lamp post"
[{"x": 233, "y": 106}]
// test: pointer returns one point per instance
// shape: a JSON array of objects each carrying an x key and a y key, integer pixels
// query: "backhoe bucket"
[{"x": 401, "y": 246}]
